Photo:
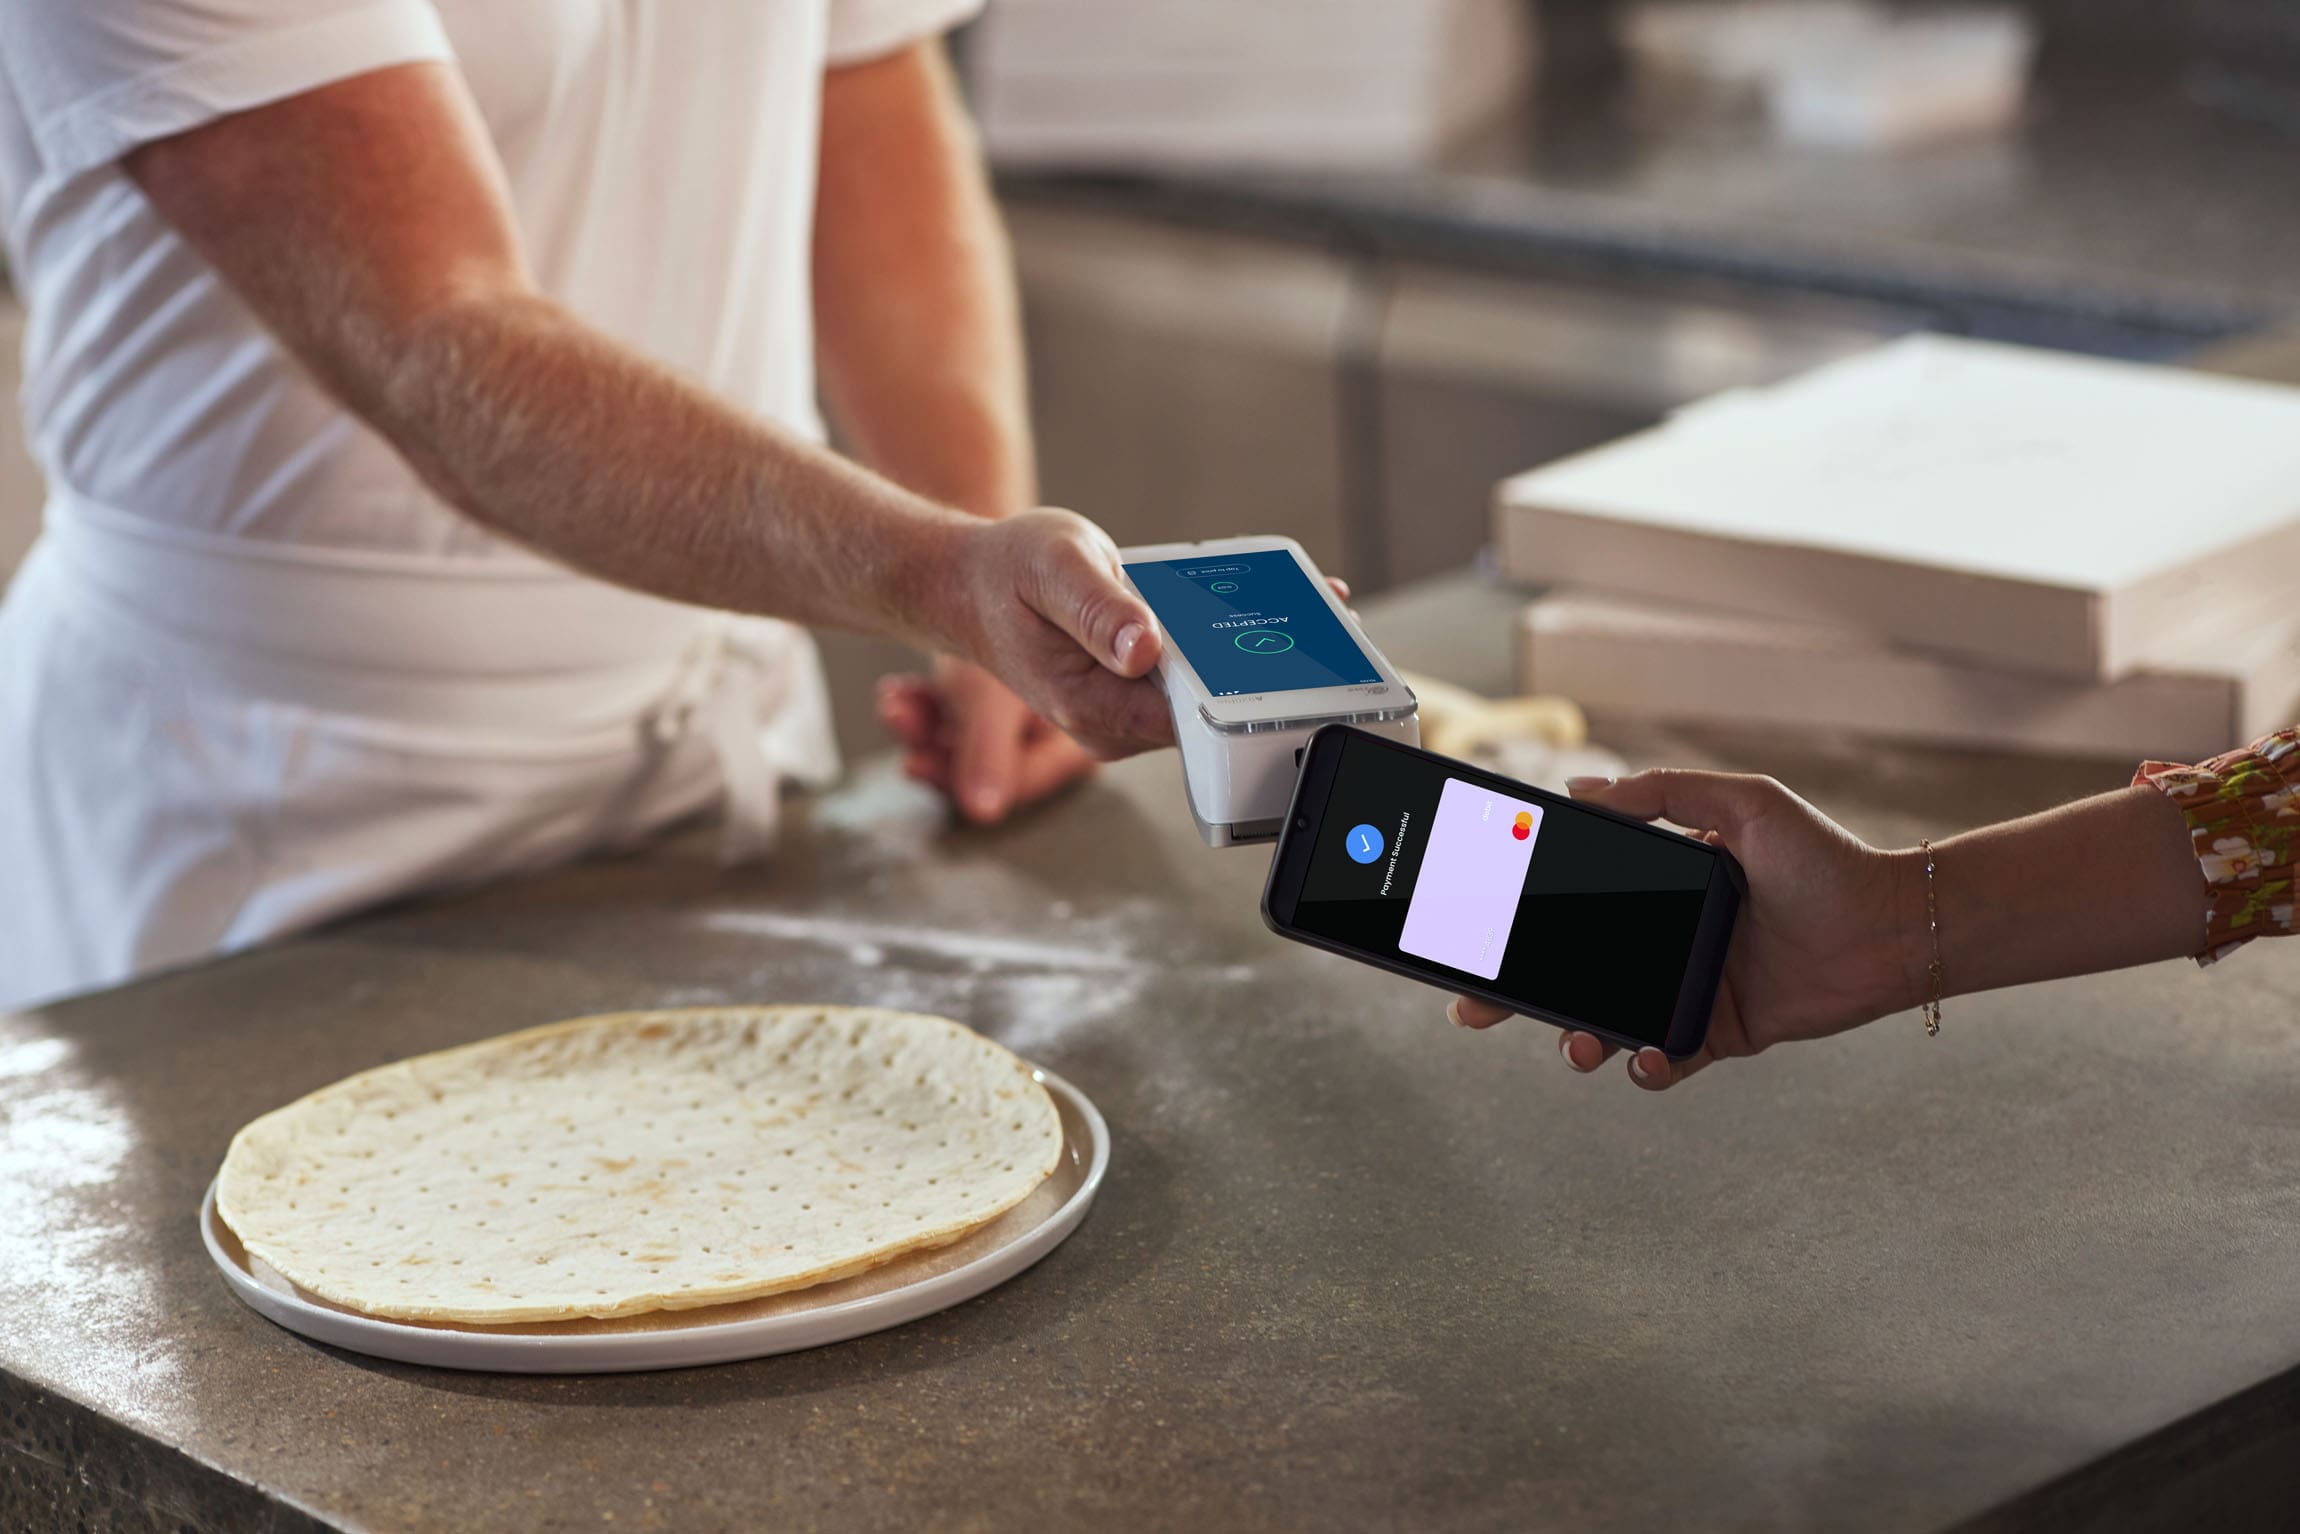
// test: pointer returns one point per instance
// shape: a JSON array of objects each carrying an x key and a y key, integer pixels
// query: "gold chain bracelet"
[{"x": 1933, "y": 929}]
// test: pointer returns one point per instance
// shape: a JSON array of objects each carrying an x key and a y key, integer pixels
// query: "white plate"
[{"x": 901, "y": 1291}]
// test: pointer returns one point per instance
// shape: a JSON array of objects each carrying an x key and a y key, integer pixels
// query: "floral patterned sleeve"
[{"x": 2243, "y": 812}]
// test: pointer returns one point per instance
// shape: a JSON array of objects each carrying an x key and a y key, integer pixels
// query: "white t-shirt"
[{"x": 661, "y": 158}]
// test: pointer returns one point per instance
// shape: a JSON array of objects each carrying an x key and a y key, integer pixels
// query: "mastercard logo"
[{"x": 1522, "y": 827}]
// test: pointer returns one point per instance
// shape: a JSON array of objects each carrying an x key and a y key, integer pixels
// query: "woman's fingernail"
[
  {"x": 1637, "y": 1066},
  {"x": 1128, "y": 638},
  {"x": 1453, "y": 1013},
  {"x": 1586, "y": 785}
]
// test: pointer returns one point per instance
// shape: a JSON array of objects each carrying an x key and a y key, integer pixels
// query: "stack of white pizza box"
[
  {"x": 1939, "y": 540},
  {"x": 1318, "y": 83}
]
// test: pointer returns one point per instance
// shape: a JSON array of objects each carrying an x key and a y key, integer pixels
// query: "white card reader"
[{"x": 1259, "y": 654}]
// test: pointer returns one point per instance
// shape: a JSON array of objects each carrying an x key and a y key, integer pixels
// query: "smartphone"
[{"x": 1575, "y": 915}]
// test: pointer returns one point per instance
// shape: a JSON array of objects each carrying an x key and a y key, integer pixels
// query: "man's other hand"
[{"x": 963, "y": 733}]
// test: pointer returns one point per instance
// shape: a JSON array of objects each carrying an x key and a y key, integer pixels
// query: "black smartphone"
[{"x": 1416, "y": 863}]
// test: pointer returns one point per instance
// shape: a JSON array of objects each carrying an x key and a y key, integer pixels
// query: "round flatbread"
[{"x": 643, "y": 1161}]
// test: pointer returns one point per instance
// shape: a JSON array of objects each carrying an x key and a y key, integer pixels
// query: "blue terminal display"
[{"x": 1252, "y": 623}]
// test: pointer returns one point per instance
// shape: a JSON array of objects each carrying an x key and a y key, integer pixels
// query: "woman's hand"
[{"x": 1824, "y": 940}]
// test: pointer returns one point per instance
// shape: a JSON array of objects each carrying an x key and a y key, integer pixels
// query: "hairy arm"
[{"x": 366, "y": 223}]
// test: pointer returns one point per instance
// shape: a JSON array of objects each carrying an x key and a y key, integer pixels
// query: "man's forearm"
[
  {"x": 367, "y": 225},
  {"x": 546, "y": 431},
  {"x": 917, "y": 328}
]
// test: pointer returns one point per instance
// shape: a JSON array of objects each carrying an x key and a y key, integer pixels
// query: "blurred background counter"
[{"x": 1357, "y": 356}]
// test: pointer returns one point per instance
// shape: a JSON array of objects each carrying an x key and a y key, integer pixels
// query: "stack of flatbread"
[{"x": 645, "y": 1161}]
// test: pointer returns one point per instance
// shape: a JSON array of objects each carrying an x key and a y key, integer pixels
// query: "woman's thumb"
[{"x": 1698, "y": 801}]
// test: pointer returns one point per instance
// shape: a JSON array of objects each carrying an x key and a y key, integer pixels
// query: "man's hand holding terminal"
[{"x": 965, "y": 733}]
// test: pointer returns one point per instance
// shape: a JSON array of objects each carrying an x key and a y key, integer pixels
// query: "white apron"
[
  {"x": 255, "y": 675},
  {"x": 208, "y": 742}
]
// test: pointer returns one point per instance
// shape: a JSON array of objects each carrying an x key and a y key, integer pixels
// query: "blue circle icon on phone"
[
  {"x": 1364, "y": 844},
  {"x": 1263, "y": 641}
]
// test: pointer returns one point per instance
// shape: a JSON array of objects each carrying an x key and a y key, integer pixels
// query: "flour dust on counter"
[
  {"x": 67, "y": 1138},
  {"x": 867, "y": 942},
  {"x": 1033, "y": 983}
]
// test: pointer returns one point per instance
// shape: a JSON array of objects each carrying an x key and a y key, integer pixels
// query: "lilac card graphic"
[{"x": 1465, "y": 898}]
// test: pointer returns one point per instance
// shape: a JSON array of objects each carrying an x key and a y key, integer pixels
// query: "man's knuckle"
[
  {"x": 1099, "y": 613},
  {"x": 1078, "y": 554}
]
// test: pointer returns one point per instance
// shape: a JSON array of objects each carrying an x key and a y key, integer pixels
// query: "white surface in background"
[
  {"x": 1322, "y": 83},
  {"x": 1960, "y": 455},
  {"x": 1849, "y": 74},
  {"x": 1622, "y": 658}
]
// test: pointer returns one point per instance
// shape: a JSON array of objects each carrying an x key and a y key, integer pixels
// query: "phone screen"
[
  {"x": 1252, "y": 623},
  {"x": 1555, "y": 907}
]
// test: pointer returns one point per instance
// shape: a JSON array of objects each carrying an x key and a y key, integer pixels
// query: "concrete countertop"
[
  {"x": 1352, "y": 1268},
  {"x": 2121, "y": 216}
]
